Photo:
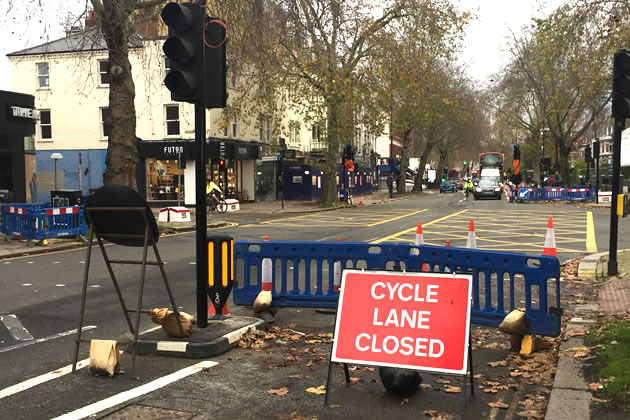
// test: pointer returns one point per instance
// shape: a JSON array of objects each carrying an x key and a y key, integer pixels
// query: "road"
[{"x": 42, "y": 295}]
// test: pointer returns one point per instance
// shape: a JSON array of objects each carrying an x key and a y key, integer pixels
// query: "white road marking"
[
  {"x": 41, "y": 340},
  {"x": 27, "y": 284},
  {"x": 95, "y": 285},
  {"x": 59, "y": 285},
  {"x": 7, "y": 262},
  {"x": 115, "y": 400},
  {"x": 15, "y": 327},
  {"x": 30, "y": 262},
  {"x": 192, "y": 263},
  {"x": 23, "y": 386},
  {"x": 370, "y": 240},
  {"x": 55, "y": 262}
]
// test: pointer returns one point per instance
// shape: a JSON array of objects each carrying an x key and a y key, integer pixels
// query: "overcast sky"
[{"x": 484, "y": 47}]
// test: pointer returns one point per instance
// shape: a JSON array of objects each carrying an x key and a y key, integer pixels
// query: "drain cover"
[{"x": 145, "y": 412}]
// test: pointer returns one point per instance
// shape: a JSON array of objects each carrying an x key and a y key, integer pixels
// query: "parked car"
[
  {"x": 447, "y": 186},
  {"x": 487, "y": 187},
  {"x": 459, "y": 184}
]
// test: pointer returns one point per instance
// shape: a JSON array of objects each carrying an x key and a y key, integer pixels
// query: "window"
[
  {"x": 105, "y": 124},
  {"x": 264, "y": 129},
  {"x": 235, "y": 128},
  {"x": 45, "y": 124},
  {"x": 43, "y": 79},
  {"x": 294, "y": 132},
  {"x": 172, "y": 120},
  {"x": 103, "y": 70},
  {"x": 167, "y": 65}
]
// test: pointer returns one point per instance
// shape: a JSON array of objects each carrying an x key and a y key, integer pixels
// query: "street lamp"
[{"x": 56, "y": 157}]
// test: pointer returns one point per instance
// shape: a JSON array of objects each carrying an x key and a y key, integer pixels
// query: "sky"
[{"x": 34, "y": 22}]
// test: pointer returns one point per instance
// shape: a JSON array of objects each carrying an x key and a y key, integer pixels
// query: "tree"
[
  {"x": 558, "y": 81},
  {"x": 117, "y": 24}
]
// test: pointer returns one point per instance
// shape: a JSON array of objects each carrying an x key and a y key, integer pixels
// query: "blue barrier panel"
[
  {"x": 60, "y": 221},
  {"x": 555, "y": 194},
  {"x": 39, "y": 221},
  {"x": 496, "y": 276}
]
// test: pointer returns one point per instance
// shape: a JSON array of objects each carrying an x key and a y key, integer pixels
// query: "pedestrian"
[
  {"x": 390, "y": 184},
  {"x": 279, "y": 188}
]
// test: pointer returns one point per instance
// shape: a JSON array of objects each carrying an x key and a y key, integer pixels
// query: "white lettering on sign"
[
  {"x": 418, "y": 346},
  {"x": 414, "y": 319},
  {"x": 173, "y": 150},
  {"x": 18, "y": 111},
  {"x": 429, "y": 295}
]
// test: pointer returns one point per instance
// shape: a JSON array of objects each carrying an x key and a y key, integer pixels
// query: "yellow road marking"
[
  {"x": 378, "y": 241},
  {"x": 591, "y": 246},
  {"x": 397, "y": 217}
]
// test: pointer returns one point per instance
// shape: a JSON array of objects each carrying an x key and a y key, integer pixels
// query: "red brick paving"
[{"x": 614, "y": 297}]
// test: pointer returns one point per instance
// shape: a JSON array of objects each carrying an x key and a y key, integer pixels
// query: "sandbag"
[{"x": 167, "y": 319}]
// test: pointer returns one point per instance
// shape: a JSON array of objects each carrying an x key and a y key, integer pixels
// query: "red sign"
[{"x": 409, "y": 320}]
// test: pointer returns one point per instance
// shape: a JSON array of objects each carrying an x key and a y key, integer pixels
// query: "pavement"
[{"x": 570, "y": 398}]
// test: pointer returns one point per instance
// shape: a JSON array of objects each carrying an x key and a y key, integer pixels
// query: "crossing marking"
[
  {"x": 41, "y": 340},
  {"x": 413, "y": 229},
  {"x": 15, "y": 327},
  {"x": 341, "y": 218}
]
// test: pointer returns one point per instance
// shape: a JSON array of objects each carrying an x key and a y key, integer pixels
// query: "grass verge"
[{"x": 610, "y": 343}]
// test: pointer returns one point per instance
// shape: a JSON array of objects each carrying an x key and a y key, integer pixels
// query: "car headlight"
[
  {"x": 478, "y": 189},
  {"x": 497, "y": 189}
]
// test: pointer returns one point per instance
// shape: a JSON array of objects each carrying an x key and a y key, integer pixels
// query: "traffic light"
[
  {"x": 221, "y": 163},
  {"x": 596, "y": 150},
  {"x": 183, "y": 48},
  {"x": 215, "y": 61},
  {"x": 464, "y": 162},
  {"x": 517, "y": 152},
  {"x": 587, "y": 154},
  {"x": 621, "y": 84}
]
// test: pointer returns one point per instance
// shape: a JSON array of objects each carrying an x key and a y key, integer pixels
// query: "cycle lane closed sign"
[{"x": 409, "y": 320}]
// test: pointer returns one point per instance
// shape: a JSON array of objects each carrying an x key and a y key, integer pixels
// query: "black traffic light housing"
[
  {"x": 183, "y": 47},
  {"x": 517, "y": 152},
  {"x": 215, "y": 61},
  {"x": 621, "y": 84},
  {"x": 587, "y": 154}
]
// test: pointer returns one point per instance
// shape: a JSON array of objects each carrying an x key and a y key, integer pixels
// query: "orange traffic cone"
[
  {"x": 471, "y": 242},
  {"x": 550, "y": 240},
  {"x": 361, "y": 200},
  {"x": 447, "y": 243},
  {"x": 419, "y": 235}
]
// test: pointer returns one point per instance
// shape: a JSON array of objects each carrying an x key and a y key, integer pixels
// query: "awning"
[{"x": 387, "y": 169}]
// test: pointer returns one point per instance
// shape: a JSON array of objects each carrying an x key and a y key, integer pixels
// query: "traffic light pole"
[
  {"x": 201, "y": 217},
  {"x": 614, "y": 219}
]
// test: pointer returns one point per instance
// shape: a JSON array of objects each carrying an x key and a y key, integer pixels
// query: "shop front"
[
  {"x": 166, "y": 169},
  {"x": 18, "y": 180}
]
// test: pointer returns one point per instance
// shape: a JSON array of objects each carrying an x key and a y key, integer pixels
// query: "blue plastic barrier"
[
  {"x": 303, "y": 276},
  {"x": 552, "y": 194},
  {"x": 40, "y": 221}
]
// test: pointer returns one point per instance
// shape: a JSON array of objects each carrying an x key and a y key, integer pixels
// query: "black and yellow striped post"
[{"x": 220, "y": 271}]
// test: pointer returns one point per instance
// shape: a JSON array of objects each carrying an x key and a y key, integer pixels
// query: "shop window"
[
  {"x": 103, "y": 71},
  {"x": 164, "y": 180},
  {"x": 45, "y": 124},
  {"x": 29, "y": 144},
  {"x": 43, "y": 75},
  {"x": 105, "y": 125},
  {"x": 172, "y": 120}
]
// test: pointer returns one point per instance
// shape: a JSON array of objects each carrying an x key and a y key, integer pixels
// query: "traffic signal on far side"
[
  {"x": 183, "y": 48},
  {"x": 215, "y": 62},
  {"x": 221, "y": 163},
  {"x": 517, "y": 152},
  {"x": 621, "y": 84},
  {"x": 587, "y": 154}
]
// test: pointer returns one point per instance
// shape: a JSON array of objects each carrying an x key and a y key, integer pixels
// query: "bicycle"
[{"x": 220, "y": 206}]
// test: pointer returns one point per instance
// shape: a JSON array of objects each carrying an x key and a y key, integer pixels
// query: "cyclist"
[
  {"x": 212, "y": 190},
  {"x": 468, "y": 187}
]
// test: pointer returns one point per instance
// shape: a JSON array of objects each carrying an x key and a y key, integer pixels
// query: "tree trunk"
[
  {"x": 424, "y": 156},
  {"x": 332, "y": 154},
  {"x": 122, "y": 152},
  {"x": 565, "y": 167},
  {"x": 443, "y": 164}
]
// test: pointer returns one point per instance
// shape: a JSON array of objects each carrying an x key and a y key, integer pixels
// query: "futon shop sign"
[{"x": 410, "y": 320}]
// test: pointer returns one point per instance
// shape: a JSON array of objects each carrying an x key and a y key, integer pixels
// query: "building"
[{"x": 18, "y": 179}]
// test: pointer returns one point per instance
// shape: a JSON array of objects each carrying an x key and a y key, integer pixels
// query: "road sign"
[
  {"x": 408, "y": 320},
  {"x": 523, "y": 194}
]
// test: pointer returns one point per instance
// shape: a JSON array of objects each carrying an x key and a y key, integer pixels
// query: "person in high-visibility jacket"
[{"x": 212, "y": 190}]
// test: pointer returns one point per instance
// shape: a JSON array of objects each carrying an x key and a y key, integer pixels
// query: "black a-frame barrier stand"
[{"x": 119, "y": 215}]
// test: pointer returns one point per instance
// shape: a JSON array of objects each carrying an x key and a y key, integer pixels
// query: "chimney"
[{"x": 91, "y": 21}]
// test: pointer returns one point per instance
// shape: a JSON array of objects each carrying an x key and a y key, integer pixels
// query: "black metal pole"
[
  {"x": 200, "y": 201},
  {"x": 614, "y": 222},
  {"x": 588, "y": 171}
]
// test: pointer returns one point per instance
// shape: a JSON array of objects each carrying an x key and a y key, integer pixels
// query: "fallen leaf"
[
  {"x": 356, "y": 380},
  {"x": 280, "y": 391},
  {"x": 597, "y": 400},
  {"x": 579, "y": 354},
  {"x": 498, "y": 363},
  {"x": 309, "y": 363},
  {"x": 477, "y": 376},
  {"x": 301, "y": 376},
  {"x": 404, "y": 401},
  {"x": 431, "y": 413},
  {"x": 594, "y": 386},
  {"x": 426, "y": 386},
  {"x": 491, "y": 390},
  {"x": 317, "y": 390},
  {"x": 442, "y": 381},
  {"x": 515, "y": 374},
  {"x": 498, "y": 405},
  {"x": 452, "y": 389},
  {"x": 576, "y": 332},
  {"x": 334, "y": 406}
]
